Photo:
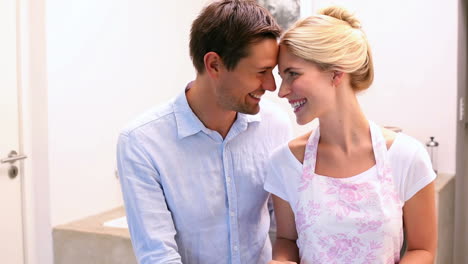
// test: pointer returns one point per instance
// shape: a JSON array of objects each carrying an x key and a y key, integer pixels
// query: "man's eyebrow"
[{"x": 266, "y": 68}]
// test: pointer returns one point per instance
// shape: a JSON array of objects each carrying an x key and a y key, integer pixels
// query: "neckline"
[
  {"x": 378, "y": 146},
  {"x": 300, "y": 164},
  {"x": 369, "y": 171}
]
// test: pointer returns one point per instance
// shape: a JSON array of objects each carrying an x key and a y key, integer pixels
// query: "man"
[{"x": 192, "y": 170}]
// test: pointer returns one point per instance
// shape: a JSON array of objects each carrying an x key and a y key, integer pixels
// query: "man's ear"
[
  {"x": 213, "y": 64},
  {"x": 337, "y": 77}
]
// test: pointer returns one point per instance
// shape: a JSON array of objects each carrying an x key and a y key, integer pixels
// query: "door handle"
[{"x": 12, "y": 157}]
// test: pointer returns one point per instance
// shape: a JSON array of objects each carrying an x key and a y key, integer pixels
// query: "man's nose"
[{"x": 269, "y": 83}]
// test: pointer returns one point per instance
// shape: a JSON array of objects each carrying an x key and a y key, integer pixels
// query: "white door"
[{"x": 11, "y": 234}]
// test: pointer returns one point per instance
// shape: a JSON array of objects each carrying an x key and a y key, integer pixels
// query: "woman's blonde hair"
[{"x": 334, "y": 41}]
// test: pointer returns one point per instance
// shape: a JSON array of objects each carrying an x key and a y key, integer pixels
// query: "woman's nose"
[{"x": 284, "y": 90}]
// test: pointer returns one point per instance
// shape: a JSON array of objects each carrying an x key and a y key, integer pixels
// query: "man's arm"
[{"x": 149, "y": 220}]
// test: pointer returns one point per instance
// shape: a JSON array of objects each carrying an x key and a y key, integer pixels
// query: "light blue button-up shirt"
[{"x": 193, "y": 197}]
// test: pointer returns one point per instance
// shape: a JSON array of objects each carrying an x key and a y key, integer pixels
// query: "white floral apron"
[{"x": 349, "y": 220}]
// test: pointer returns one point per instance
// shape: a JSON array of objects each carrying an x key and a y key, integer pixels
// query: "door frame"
[
  {"x": 32, "y": 98},
  {"x": 461, "y": 198}
]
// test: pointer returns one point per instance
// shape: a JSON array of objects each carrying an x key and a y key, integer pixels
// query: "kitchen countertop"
[{"x": 88, "y": 241}]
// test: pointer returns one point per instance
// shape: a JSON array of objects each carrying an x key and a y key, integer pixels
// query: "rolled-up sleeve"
[{"x": 150, "y": 222}]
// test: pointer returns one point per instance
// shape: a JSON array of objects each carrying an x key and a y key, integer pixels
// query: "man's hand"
[{"x": 281, "y": 262}]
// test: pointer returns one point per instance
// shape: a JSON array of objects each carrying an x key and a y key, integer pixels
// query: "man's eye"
[{"x": 262, "y": 72}]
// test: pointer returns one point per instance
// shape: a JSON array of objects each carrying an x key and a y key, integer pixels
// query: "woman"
[{"x": 343, "y": 191}]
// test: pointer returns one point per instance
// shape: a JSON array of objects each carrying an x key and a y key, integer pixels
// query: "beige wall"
[{"x": 108, "y": 61}]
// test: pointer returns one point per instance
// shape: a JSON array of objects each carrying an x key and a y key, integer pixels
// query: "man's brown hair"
[{"x": 228, "y": 28}]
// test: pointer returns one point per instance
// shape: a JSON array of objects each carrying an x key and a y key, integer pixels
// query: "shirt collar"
[
  {"x": 189, "y": 124},
  {"x": 250, "y": 118}
]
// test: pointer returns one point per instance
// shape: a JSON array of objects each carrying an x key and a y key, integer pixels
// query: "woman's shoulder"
[
  {"x": 297, "y": 146},
  {"x": 411, "y": 165},
  {"x": 405, "y": 150},
  {"x": 389, "y": 136},
  {"x": 283, "y": 162}
]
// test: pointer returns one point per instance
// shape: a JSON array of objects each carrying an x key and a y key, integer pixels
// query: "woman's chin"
[{"x": 303, "y": 120}]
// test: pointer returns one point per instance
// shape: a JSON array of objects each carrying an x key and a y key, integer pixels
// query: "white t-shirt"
[
  {"x": 410, "y": 163},
  {"x": 356, "y": 219}
]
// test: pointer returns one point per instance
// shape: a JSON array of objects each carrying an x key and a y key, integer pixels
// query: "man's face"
[{"x": 240, "y": 89}]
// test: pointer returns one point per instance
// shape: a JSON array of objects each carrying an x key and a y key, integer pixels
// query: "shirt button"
[
  {"x": 232, "y": 214},
  {"x": 228, "y": 179},
  {"x": 235, "y": 248}
]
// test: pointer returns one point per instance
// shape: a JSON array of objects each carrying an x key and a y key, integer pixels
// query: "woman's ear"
[
  {"x": 337, "y": 77},
  {"x": 213, "y": 64}
]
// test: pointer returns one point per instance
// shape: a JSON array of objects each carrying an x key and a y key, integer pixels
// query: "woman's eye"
[{"x": 292, "y": 74}]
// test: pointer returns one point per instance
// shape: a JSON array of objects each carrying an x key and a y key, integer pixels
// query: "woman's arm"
[
  {"x": 419, "y": 216},
  {"x": 285, "y": 248}
]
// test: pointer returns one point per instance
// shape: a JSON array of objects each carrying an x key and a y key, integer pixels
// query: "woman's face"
[{"x": 309, "y": 90}]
